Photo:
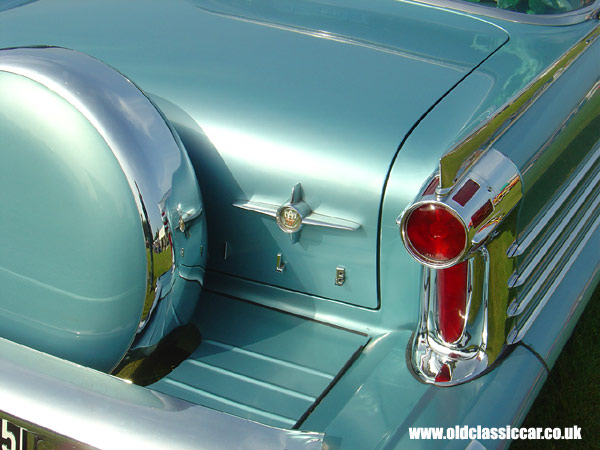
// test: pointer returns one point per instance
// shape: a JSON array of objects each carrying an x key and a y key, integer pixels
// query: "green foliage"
[
  {"x": 535, "y": 6},
  {"x": 508, "y": 4},
  {"x": 549, "y": 6}
]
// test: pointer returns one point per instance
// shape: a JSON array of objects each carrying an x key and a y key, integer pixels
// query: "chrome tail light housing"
[{"x": 455, "y": 234}]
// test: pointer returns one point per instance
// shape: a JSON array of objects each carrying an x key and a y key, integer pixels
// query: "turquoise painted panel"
[
  {"x": 257, "y": 118},
  {"x": 105, "y": 412},
  {"x": 73, "y": 260},
  {"x": 556, "y": 134},
  {"x": 496, "y": 81},
  {"x": 207, "y": 399},
  {"x": 275, "y": 334},
  {"x": 231, "y": 88},
  {"x": 247, "y": 392},
  {"x": 10, "y": 4},
  {"x": 379, "y": 399},
  {"x": 299, "y": 378},
  {"x": 259, "y": 363}
]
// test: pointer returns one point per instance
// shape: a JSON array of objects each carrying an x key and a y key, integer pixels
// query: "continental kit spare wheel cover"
[{"x": 96, "y": 191}]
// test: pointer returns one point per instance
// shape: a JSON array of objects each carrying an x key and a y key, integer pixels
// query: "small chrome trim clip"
[
  {"x": 187, "y": 215},
  {"x": 280, "y": 263},
  {"x": 226, "y": 250},
  {"x": 340, "y": 275}
]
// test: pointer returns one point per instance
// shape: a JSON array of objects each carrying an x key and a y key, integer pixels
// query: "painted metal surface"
[
  {"x": 296, "y": 213},
  {"x": 520, "y": 50},
  {"x": 253, "y": 133},
  {"x": 104, "y": 412},
  {"x": 10, "y": 4},
  {"x": 107, "y": 184},
  {"x": 54, "y": 237},
  {"x": 380, "y": 400},
  {"x": 455, "y": 162},
  {"x": 336, "y": 115},
  {"x": 555, "y": 20},
  {"x": 558, "y": 152},
  {"x": 550, "y": 122},
  {"x": 259, "y": 363},
  {"x": 446, "y": 126}
]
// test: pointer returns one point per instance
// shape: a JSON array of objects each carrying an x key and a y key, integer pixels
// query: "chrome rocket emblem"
[
  {"x": 290, "y": 216},
  {"x": 296, "y": 213}
]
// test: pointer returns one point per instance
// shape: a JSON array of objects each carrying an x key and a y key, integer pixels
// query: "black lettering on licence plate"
[{"x": 12, "y": 437}]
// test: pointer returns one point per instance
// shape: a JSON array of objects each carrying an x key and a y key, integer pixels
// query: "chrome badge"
[
  {"x": 296, "y": 213},
  {"x": 288, "y": 219}
]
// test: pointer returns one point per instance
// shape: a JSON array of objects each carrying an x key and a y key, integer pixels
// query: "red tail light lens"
[
  {"x": 434, "y": 233},
  {"x": 452, "y": 301},
  {"x": 444, "y": 375}
]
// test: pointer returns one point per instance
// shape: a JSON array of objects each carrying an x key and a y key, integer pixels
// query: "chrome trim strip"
[
  {"x": 149, "y": 152},
  {"x": 320, "y": 220},
  {"x": 533, "y": 263},
  {"x": 108, "y": 413},
  {"x": 457, "y": 161},
  {"x": 542, "y": 223},
  {"x": 518, "y": 331},
  {"x": 569, "y": 18},
  {"x": 303, "y": 212},
  {"x": 261, "y": 208},
  {"x": 518, "y": 307}
]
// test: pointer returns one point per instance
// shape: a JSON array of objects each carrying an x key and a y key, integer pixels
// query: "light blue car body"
[{"x": 357, "y": 101}]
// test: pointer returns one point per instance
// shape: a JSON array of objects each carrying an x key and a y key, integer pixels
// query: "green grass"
[
  {"x": 571, "y": 395},
  {"x": 162, "y": 263}
]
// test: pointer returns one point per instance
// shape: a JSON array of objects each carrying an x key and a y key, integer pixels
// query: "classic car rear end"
[{"x": 231, "y": 231}]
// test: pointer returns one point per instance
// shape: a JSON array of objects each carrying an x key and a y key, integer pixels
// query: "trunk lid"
[{"x": 267, "y": 95}]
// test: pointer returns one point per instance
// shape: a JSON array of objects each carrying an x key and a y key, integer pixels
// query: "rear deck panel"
[{"x": 260, "y": 363}]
